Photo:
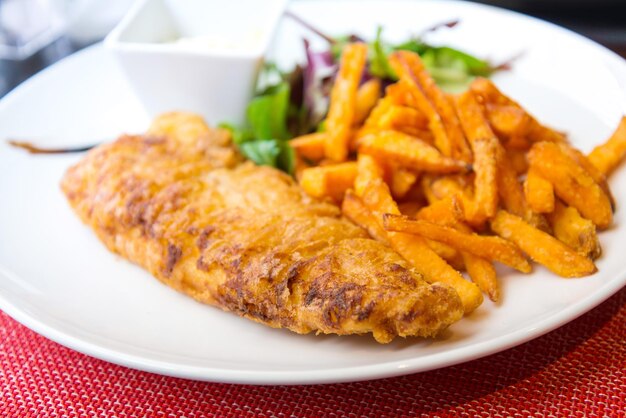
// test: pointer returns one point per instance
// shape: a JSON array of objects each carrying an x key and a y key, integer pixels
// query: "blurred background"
[{"x": 37, "y": 33}]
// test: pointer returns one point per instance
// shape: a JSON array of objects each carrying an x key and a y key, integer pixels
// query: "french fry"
[
  {"x": 512, "y": 194},
  {"x": 449, "y": 186},
  {"x": 409, "y": 152},
  {"x": 366, "y": 97},
  {"x": 542, "y": 247},
  {"x": 445, "y": 212},
  {"x": 482, "y": 273},
  {"x": 539, "y": 193},
  {"x": 435, "y": 269},
  {"x": 399, "y": 94},
  {"x": 380, "y": 109},
  {"x": 423, "y": 134},
  {"x": 415, "y": 249},
  {"x": 509, "y": 188},
  {"x": 330, "y": 180},
  {"x": 310, "y": 146},
  {"x": 597, "y": 175},
  {"x": 486, "y": 149},
  {"x": 447, "y": 253},
  {"x": 488, "y": 247},
  {"x": 508, "y": 121},
  {"x": 433, "y": 103},
  {"x": 607, "y": 156},
  {"x": 355, "y": 210},
  {"x": 490, "y": 94},
  {"x": 341, "y": 112},
  {"x": 517, "y": 159},
  {"x": 452, "y": 186},
  {"x": 575, "y": 231},
  {"x": 485, "y": 184},
  {"x": 399, "y": 116},
  {"x": 401, "y": 181},
  {"x": 571, "y": 182},
  {"x": 472, "y": 117},
  {"x": 368, "y": 169}
]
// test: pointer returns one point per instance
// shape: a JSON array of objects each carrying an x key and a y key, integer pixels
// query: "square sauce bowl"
[{"x": 202, "y": 56}]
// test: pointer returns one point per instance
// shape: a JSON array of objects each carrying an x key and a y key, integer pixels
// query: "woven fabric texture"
[{"x": 578, "y": 370}]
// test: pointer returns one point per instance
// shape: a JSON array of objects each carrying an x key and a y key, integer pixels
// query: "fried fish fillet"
[{"x": 181, "y": 203}]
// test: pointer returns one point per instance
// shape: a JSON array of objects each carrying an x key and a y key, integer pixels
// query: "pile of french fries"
[{"x": 456, "y": 183}]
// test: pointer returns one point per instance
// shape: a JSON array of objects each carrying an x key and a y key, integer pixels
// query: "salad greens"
[{"x": 296, "y": 102}]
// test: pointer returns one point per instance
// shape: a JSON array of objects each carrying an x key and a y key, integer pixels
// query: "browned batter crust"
[{"x": 180, "y": 202}]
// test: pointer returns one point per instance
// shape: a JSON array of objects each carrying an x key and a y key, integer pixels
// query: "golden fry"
[
  {"x": 509, "y": 187},
  {"x": 571, "y": 182},
  {"x": 409, "y": 152},
  {"x": 486, "y": 149},
  {"x": 485, "y": 184},
  {"x": 433, "y": 103},
  {"x": 448, "y": 186},
  {"x": 415, "y": 249},
  {"x": 310, "y": 146},
  {"x": 435, "y": 269},
  {"x": 508, "y": 121},
  {"x": 482, "y": 273},
  {"x": 401, "y": 116},
  {"x": 488, "y": 247},
  {"x": 607, "y": 156},
  {"x": 368, "y": 169},
  {"x": 341, "y": 112},
  {"x": 380, "y": 109},
  {"x": 445, "y": 212},
  {"x": 539, "y": 193},
  {"x": 542, "y": 247},
  {"x": 490, "y": 94},
  {"x": 366, "y": 97},
  {"x": 355, "y": 210},
  {"x": 575, "y": 231},
  {"x": 472, "y": 117},
  {"x": 330, "y": 180},
  {"x": 517, "y": 160},
  {"x": 447, "y": 253},
  {"x": 399, "y": 94},
  {"x": 597, "y": 175},
  {"x": 401, "y": 181}
]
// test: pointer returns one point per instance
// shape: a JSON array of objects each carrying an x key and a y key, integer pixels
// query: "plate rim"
[{"x": 324, "y": 375}]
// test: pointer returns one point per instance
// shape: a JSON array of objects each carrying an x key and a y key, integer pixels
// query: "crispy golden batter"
[{"x": 180, "y": 202}]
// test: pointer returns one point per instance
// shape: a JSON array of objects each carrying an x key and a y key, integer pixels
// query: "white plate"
[{"x": 58, "y": 279}]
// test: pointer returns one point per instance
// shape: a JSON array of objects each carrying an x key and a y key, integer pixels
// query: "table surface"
[{"x": 576, "y": 370}]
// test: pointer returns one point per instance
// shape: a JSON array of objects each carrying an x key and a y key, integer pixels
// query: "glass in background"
[{"x": 37, "y": 33}]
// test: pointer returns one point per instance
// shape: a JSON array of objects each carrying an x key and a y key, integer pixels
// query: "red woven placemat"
[{"x": 578, "y": 370}]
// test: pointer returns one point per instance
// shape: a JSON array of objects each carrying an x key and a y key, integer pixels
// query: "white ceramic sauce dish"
[{"x": 195, "y": 55}]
